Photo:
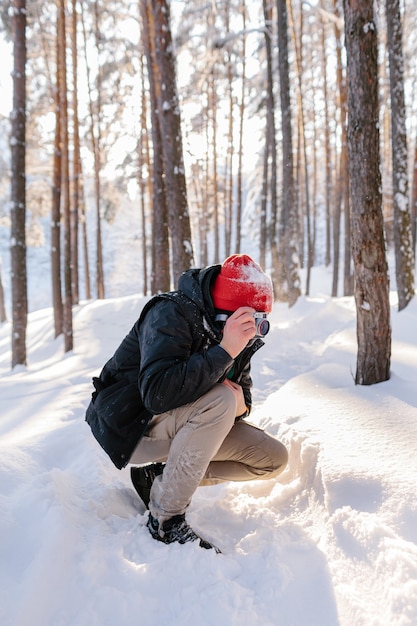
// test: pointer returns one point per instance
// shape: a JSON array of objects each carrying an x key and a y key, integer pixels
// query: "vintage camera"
[{"x": 262, "y": 324}]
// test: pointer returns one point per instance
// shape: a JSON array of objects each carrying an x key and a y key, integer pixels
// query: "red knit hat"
[{"x": 242, "y": 282}]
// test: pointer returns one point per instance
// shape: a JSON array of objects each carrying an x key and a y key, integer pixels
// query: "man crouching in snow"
[{"x": 173, "y": 397}]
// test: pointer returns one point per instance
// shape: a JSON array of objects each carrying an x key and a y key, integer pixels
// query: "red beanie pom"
[{"x": 242, "y": 282}]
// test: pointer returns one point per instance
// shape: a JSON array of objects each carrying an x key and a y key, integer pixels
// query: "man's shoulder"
[{"x": 176, "y": 299}]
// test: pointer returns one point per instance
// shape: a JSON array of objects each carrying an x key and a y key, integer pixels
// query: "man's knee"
[
  {"x": 279, "y": 457},
  {"x": 219, "y": 404},
  {"x": 216, "y": 410}
]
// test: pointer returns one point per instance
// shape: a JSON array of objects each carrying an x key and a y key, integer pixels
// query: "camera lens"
[{"x": 262, "y": 327}]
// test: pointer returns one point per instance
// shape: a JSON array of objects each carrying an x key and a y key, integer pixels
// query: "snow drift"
[{"x": 333, "y": 542}]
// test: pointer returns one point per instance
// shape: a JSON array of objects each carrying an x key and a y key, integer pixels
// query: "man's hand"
[
  {"x": 240, "y": 398},
  {"x": 239, "y": 329}
]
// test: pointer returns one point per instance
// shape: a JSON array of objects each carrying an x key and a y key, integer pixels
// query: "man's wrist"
[{"x": 245, "y": 414}]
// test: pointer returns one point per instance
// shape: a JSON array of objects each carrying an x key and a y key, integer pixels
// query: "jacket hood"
[{"x": 195, "y": 284}]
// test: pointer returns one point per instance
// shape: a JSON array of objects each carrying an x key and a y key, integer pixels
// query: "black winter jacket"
[{"x": 171, "y": 357}]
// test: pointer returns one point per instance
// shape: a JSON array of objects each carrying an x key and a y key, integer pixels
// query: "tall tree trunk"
[
  {"x": 171, "y": 134},
  {"x": 404, "y": 258},
  {"x": 242, "y": 107},
  {"x": 160, "y": 276},
  {"x": 76, "y": 161},
  {"x": 344, "y": 161},
  {"x": 212, "y": 116},
  {"x": 371, "y": 270},
  {"x": 328, "y": 156},
  {"x": 298, "y": 181},
  {"x": 299, "y": 66},
  {"x": 79, "y": 216},
  {"x": 18, "y": 186},
  {"x": 342, "y": 169},
  {"x": 229, "y": 172},
  {"x": 95, "y": 146},
  {"x": 65, "y": 193},
  {"x": 289, "y": 219},
  {"x": 204, "y": 221},
  {"x": 143, "y": 161},
  {"x": 96, "y": 140},
  {"x": 271, "y": 154},
  {"x": 56, "y": 197}
]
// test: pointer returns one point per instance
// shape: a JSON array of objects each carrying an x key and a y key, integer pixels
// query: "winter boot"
[
  {"x": 143, "y": 477},
  {"x": 176, "y": 529}
]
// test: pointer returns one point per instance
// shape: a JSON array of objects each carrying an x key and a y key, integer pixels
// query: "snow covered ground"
[{"x": 334, "y": 542}]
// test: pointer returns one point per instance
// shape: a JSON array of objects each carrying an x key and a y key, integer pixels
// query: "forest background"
[{"x": 259, "y": 93}]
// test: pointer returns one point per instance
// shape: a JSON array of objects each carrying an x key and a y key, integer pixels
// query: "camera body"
[{"x": 262, "y": 324}]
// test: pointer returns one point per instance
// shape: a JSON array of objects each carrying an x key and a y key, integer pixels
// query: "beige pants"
[{"x": 203, "y": 445}]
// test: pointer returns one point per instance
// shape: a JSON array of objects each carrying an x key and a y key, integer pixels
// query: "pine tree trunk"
[
  {"x": 160, "y": 275},
  {"x": 65, "y": 195},
  {"x": 56, "y": 199},
  {"x": 242, "y": 108},
  {"x": 212, "y": 116},
  {"x": 95, "y": 148},
  {"x": 343, "y": 183},
  {"x": 96, "y": 141},
  {"x": 171, "y": 135},
  {"x": 143, "y": 161},
  {"x": 368, "y": 245},
  {"x": 404, "y": 258},
  {"x": 328, "y": 182},
  {"x": 270, "y": 166},
  {"x": 18, "y": 187},
  {"x": 342, "y": 196},
  {"x": 301, "y": 124},
  {"x": 204, "y": 220},
  {"x": 229, "y": 171},
  {"x": 289, "y": 218},
  {"x": 76, "y": 162}
]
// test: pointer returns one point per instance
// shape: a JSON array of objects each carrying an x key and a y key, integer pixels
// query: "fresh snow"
[{"x": 333, "y": 542}]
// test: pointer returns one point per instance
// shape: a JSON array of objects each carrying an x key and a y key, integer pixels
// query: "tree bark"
[
  {"x": 404, "y": 257},
  {"x": 368, "y": 245},
  {"x": 143, "y": 161},
  {"x": 289, "y": 218},
  {"x": 96, "y": 141},
  {"x": 95, "y": 135},
  {"x": 271, "y": 166},
  {"x": 160, "y": 275},
  {"x": 76, "y": 161},
  {"x": 301, "y": 125},
  {"x": 65, "y": 188},
  {"x": 212, "y": 117},
  {"x": 328, "y": 183},
  {"x": 18, "y": 186},
  {"x": 56, "y": 199},
  {"x": 242, "y": 108},
  {"x": 342, "y": 196},
  {"x": 171, "y": 135}
]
